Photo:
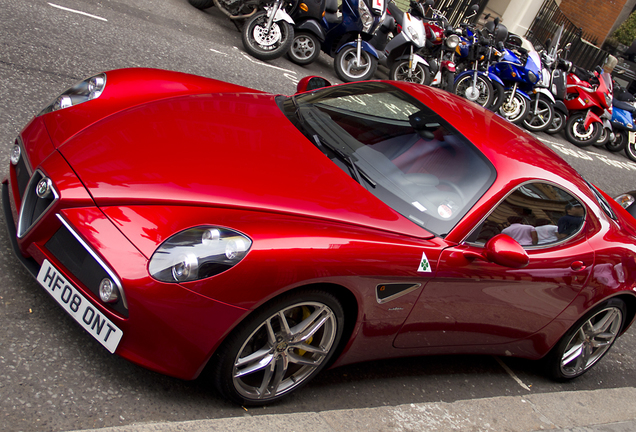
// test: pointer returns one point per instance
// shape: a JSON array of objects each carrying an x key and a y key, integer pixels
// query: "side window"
[{"x": 534, "y": 214}]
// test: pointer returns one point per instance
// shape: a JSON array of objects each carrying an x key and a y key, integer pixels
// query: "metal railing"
[
  {"x": 454, "y": 10},
  {"x": 583, "y": 53}
]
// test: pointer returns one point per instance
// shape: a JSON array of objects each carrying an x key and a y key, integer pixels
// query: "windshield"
[{"x": 397, "y": 148}]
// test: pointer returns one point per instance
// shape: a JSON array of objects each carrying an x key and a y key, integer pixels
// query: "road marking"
[
  {"x": 293, "y": 78},
  {"x": 78, "y": 12},
  {"x": 512, "y": 374},
  {"x": 591, "y": 156},
  {"x": 258, "y": 62},
  {"x": 218, "y": 52}
]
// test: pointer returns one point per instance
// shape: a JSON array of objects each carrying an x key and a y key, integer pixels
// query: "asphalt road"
[{"x": 54, "y": 376}]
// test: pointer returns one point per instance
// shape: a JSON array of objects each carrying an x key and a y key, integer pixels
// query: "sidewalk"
[{"x": 612, "y": 410}]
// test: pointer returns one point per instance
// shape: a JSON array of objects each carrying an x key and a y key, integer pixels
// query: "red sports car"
[{"x": 186, "y": 222}]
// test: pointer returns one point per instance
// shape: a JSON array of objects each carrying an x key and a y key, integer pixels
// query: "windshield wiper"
[{"x": 357, "y": 172}]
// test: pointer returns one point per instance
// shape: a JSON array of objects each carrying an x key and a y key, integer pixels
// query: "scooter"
[
  {"x": 623, "y": 109},
  {"x": 399, "y": 54},
  {"x": 345, "y": 33},
  {"x": 309, "y": 33}
]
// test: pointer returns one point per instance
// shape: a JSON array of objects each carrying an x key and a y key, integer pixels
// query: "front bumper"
[{"x": 166, "y": 327}]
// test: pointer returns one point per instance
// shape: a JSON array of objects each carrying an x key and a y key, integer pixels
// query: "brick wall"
[{"x": 596, "y": 17}]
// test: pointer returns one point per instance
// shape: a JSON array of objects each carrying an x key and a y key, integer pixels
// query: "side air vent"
[{"x": 39, "y": 196}]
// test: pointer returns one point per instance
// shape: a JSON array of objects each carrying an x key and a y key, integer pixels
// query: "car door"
[{"x": 475, "y": 302}]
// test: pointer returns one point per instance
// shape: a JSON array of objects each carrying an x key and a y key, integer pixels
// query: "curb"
[{"x": 608, "y": 410}]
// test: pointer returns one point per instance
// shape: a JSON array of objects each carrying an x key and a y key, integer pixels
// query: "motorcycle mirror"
[
  {"x": 310, "y": 83},
  {"x": 548, "y": 44},
  {"x": 429, "y": 3},
  {"x": 496, "y": 21}
]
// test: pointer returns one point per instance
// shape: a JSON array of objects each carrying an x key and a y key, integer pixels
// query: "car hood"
[{"x": 233, "y": 150}]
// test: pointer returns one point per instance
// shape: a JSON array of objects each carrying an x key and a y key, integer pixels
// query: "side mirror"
[
  {"x": 310, "y": 83},
  {"x": 429, "y": 3},
  {"x": 503, "y": 250}
]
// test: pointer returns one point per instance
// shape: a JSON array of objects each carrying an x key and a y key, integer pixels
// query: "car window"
[
  {"x": 535, "y": 214},
  {"x": 398, "y": 148}
]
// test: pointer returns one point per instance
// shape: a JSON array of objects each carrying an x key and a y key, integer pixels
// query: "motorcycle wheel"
[
  {"x": 576, "y": 133},
  {"x": 630, "y": 151},
  {"x": 498, "y": 97},
  {"x": 266, "y": 45},
  {"x": 347, "y": 68},
  {"x": 603, "y": 138},
  {"x": 482, "y": 93},
  {"x": 619, "y": 143},
  {"x": 304, "y": 49},
  {"x": 201, "y": 4},
  {"x": 448, "y": 81},
  {"x": 542, "y": 119},
  {"x": 514, "y": 109},
  {"x": 400, "y": 72},
  {"x": 558, "y": 123}
]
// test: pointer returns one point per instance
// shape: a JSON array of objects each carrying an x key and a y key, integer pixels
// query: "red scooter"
[{"x": 589, "y": 102}]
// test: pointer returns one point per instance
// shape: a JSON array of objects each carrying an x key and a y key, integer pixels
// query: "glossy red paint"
[{"x": 160, "y": 152}]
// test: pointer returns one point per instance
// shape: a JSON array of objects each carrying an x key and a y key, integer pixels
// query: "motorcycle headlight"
[
  {"x": 81, "y": 92},
  {"x": 365, "y": 16},
  {"x": 452, "y": 41},
  {"x": 415, "y": 36},
  {"x": 532, "y": 77},
  {"x": 625, "y": 200},
  {"x": 198, "y": 253}
]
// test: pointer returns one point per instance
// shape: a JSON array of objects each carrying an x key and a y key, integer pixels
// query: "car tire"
[
  {"x": 348, "y": 71},
  {"x": 400, "y": 72},
  {"x": 587, "y": 341},
  {"x": 577, "y": 134},
  {"x": 201, "y": 4},
  {"x": 279, "y": 348},
  {"x": 304, "y": 49}
]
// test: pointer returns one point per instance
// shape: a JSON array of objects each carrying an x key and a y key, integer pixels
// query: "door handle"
[{"x": 578, "y": 266}]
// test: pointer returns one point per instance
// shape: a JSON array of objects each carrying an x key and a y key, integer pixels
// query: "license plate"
[{"x": 78, "y": 306}]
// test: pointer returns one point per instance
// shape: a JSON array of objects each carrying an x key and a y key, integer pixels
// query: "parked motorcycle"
[
  {"x": 473, "y": 83},
  {"x": 309, "y": 32},
  {"x": 399, "y": 54},
  {"x": 623, "y": 109},
  {"x": 358, "y": 60},
  {"x": 346, "y": 33},
  {"x": 588, "y": 98},
  {"x": 268, "y": 34}
]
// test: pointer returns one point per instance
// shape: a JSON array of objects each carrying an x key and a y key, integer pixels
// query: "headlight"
[
  {"x": 532, "y": 77},
  {"x": 84, "y": 91},
  {"x": 452, "y": 41},
  {"x": 198, "y": 253},
  {"x": 365, "y": 16},
  {"x": 625, "y": 200}
]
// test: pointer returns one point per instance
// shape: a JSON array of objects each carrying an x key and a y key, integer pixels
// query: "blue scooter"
[
  {"x": 622, "y": 120},
  {"x": 352, "y": 34}
]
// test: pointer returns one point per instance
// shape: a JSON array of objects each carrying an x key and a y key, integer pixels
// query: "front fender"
[
  {"x": 560, "y": 106},
  {"x": 366, "y": 46},
  {"x": 591, "y": 118},
  {"x": 547, "y": 93},
  {"x": 417, "y": 59},
  {"x": 282, "y": 15}
]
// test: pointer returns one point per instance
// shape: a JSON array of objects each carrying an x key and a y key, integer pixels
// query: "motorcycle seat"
[
  {"x": 333, "y": 18},
  {"x": 623, "y": 105}
]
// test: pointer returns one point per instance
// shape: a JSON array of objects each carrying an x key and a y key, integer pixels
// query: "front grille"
[
  {"x": 34, "y": 206},
  {"x": 81, "y": 262}
]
